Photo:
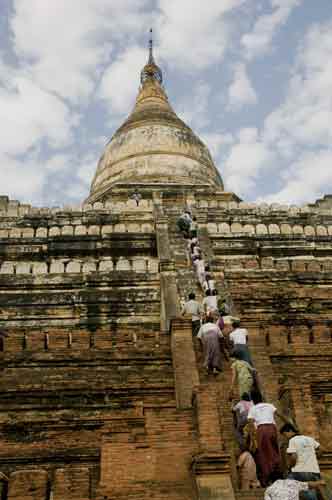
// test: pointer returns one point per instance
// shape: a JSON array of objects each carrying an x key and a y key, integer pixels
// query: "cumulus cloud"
[
  {"x": 43, "y": 182},
  {"x": 120, "y": 82},
  {"x": 193, "y": 36},
  {"x": 218, "y": 143},
  {"x": 258, "y": 41},
  {"x": 298, "y": 131},
  {"x": 305, "y": 178},
  {"x": 193, "y": 109},
  {"x": 28, "y": 114},
  {"x": 247, "y": 158},
  {"x": 304, "y": 119},
  {"x": 65, "y": 44},
  {"x": 241, "y": 91}
]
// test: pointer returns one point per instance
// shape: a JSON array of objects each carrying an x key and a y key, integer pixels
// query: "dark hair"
[
  {"x": 236, "y": 323},
  {"x": 192, "y": 296},
  {"x": 207, "y": 267},
  {"x": 256, "y": 397},
  {"x": 287, "y": 428},
  {"x": 245, "y": 397},
  {"x": 194, "y": 218},
  {"x": 214, "y": 292},
  {"x": 208, "y": 292}
]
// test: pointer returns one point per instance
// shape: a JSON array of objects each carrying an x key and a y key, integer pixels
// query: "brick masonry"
[{"x": 102, "y": 395}]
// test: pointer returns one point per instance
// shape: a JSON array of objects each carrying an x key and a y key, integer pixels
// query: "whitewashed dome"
[{"x": 153, "y": 145}]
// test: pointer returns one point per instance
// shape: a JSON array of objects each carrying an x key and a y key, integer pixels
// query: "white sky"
[{"x": 253, "y": 78}]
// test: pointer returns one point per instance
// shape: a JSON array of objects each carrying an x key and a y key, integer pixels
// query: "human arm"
[
  {"x": 318, "y": 448},
  {"x": 316, "y": 484},
  {"x": 291, "y": 459},
  {"x": 241, "y": 460}
]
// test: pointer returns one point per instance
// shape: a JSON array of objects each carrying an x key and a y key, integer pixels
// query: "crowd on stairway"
[{"x": 221, "y": 338}]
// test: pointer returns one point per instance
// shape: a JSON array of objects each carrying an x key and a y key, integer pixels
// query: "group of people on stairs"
[{"x": 219, "y": 335}]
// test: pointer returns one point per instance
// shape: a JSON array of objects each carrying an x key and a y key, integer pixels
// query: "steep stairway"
[{"x": 187, "y": 282}]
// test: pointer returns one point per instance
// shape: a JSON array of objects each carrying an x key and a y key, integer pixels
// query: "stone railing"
[
  {"x": 225, "y": 228},
  {"x": 300, "y": 336},
  {"x": 77, "y": 229},
  {"x": 262, "y": 208},
  {"x": 295, "y": 264},
  {"x": 56, "y": 266},
  {"x": 13, "y": 208}
]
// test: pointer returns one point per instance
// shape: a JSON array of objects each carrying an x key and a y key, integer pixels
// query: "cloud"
[
  {"x": 241, "y": 92},
  {"x": 191, "y": 35},
  {"x": 305, "y": 178},
  {"x": 298, "y": 131},
  {"x": 259, "y": 40},
  {"x": 120, "y": 82},
  {"x": 21, "y": 179},
  {"x": 246, "y": 159},
  {"x": 304, "y": 119},
  {"x": 66, "y": 44},
  {"x": 193, "y": 108},
  {"x": 217, "y": 142},
  {"x": 47, "y": 181},
  {"x": 29, "y": 114}
]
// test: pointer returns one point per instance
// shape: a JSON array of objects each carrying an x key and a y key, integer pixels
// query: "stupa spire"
[
  {"x": 151, "y": 59},
  {"x": 151, "y": 70}
]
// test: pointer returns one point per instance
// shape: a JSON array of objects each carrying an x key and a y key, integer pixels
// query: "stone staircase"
[{"x": 220, "y": 384}]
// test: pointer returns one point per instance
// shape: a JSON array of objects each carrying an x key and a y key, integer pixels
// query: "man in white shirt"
[
  {"x": 289, "y": 489},
  {"x": 302, "y": 454},
  {"x": 239, "y": 339},
  {"x": 194, "y": 309}
]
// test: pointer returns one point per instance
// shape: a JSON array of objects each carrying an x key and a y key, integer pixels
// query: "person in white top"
[
  {"x": 268, "y": 458},
  {"x": 210, "y": 337},
  {"x": 210, "y": 302},
  {"x": 289, "y": 489},
  {"x": 193, "y": 309},
  {"x": 199, "y": 265},
  {"x": 302, "y": 454},
  {"x": 239, "y": 339}
]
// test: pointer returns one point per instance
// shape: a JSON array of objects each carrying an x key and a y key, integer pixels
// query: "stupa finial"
[
  {"x": 151, "y": 70},
  {"x": 151, "y": 60}
]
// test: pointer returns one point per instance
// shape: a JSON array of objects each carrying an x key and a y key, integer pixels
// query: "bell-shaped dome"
[{"x": 153, "y": 146}]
